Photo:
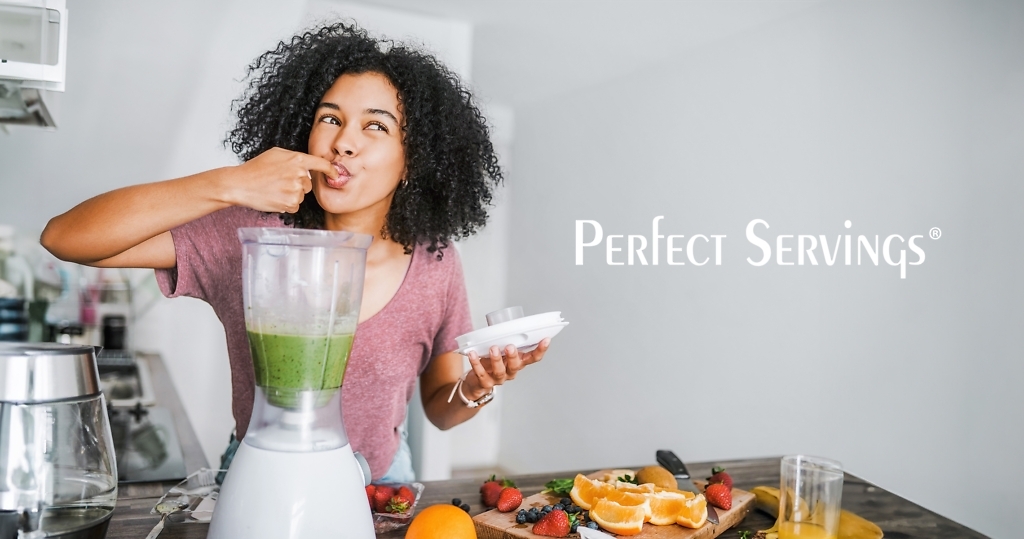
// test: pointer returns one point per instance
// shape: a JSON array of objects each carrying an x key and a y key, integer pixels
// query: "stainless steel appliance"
[
  {"x": 145, "y": 438},
  {"x": 58, "y": 476}
]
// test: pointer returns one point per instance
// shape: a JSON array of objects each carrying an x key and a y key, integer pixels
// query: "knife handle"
[{"x": 668, "y": 460}]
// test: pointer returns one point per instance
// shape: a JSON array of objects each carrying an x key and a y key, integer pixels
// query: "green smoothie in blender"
[{"x": 286, "y": 364}]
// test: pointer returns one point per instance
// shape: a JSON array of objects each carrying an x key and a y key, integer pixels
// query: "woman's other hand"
[
  {"x": 276, "y": 180},
  {"x": 496, "y": 369}
]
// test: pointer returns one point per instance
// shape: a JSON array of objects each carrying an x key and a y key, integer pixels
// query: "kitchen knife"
[{"x": 668, "y": 460}]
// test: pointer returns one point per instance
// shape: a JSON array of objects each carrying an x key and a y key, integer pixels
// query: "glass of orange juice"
[{"x": 810, "y": 496}]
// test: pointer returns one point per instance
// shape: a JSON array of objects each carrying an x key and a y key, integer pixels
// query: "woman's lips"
[{"x": 343, "y": 177}]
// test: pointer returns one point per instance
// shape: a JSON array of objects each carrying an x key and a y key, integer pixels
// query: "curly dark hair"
[{"x": 451, "y": 166}]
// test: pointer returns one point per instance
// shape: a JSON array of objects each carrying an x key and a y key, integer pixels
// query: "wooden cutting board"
[{"x": 497, "y": 525}]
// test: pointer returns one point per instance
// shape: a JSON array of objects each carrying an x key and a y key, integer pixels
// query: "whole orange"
[{"x": 441, "y": 521}]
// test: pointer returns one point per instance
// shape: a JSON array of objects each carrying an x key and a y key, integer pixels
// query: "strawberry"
[
  {"x": 491, "y": 489},
  {"x": 509, "y": 500},
  {"x": 381, "y": 497},
  {"x": 371, "y": 490},
  {"x": 718, "y": 475},
  {"x": 554, "y": 524},
  {"x": 489, "y": 493},
  {"x": 397, "y": 504},
  {"x": 719, "y": 495},
  {"x": 406, "y": 494}
]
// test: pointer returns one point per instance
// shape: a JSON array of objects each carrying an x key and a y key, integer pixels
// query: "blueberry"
[
  {"x": 547, "y": 508},
  {"x": 592, "y": 525},
  {"x": 464, "y": 507},
  {"x": 532, "y": 517},
  {"x": 565, "y": 501},
  {"x": 572, "y": 509},
  {"x": 521, "y": 518},
  {"x": 456, "y": 502},
  {"x": 558, "y": 506},
  {"x": 573, "y": 528}
]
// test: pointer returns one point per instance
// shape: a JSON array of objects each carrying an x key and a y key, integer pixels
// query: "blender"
[{"x": 295, "y": 474}]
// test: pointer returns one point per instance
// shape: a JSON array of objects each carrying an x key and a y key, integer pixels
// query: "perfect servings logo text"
[{"x": 784, "y": 250}]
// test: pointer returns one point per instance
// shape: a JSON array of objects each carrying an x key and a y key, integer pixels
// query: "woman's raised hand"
[
  {"x": 276, "y": 180},
  {"x": 496, "y": 369}
]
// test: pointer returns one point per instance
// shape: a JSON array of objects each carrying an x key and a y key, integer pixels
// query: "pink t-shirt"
[{"x": 391, "y": 349}]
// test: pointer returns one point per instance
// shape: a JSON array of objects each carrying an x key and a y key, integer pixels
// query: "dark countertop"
[{"x": 899, "y": 518}]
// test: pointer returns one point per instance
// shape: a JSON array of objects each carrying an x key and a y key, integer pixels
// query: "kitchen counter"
[{"x": 899, "y": 518}]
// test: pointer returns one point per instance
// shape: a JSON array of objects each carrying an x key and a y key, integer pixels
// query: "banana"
[
  {"x": 766, "y": 499},
  {"x": 851, "y": 525},
  {"x": 854, "y": 526}
]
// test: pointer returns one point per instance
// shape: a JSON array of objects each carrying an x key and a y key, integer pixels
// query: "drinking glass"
[{"x": 810, "y": 495}]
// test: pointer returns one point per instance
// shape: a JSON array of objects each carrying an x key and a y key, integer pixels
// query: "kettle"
[{"x": 58, "y": 474}]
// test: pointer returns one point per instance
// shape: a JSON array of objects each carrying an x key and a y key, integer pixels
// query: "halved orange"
[
  {"x": 666, "y": 507},
  {"x": 695, "y": 514},
  {"x": 587, "y": 491},
  {"x": 616, "y": 518}
]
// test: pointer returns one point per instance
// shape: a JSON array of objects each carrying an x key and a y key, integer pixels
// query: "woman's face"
[{"x": 357, "y": 127}]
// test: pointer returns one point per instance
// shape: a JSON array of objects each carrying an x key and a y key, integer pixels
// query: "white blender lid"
[{"x": 524, "y": 333}]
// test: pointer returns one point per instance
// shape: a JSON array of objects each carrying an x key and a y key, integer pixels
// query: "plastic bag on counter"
[{"x": 192, "y": 499}]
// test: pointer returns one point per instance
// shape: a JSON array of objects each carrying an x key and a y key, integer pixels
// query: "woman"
[{"x": 339, "y": 131}]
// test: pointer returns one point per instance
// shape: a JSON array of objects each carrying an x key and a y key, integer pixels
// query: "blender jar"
[
  {"x": 58, "y": 476},
  {"x": 302, "y": 290}
]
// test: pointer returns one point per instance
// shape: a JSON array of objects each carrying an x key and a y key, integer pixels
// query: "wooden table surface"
[{"x": 898, "y": 517}]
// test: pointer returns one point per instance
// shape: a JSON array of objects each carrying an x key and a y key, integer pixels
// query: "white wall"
[{"x": 899, "y": 116}]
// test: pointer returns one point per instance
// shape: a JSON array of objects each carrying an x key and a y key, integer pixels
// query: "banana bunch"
[{"x": 851, "y": 526}]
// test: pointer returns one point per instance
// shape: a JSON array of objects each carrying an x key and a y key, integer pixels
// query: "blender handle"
[{"x": 364, "y": 468}]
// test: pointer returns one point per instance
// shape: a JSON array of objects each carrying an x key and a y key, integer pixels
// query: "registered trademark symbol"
[{"x": 935, "y": 233}]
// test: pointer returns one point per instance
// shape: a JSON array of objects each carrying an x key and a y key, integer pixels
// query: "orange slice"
[
  {"x": 666, "y": 507},
  {"x": 630, "y": 499},
  {"x": 616, "y": 518},
  {"x": 695, "y": 514},
  {"x": 686, "y": 494},
  {"x": 587, "y": 491},
  {"x": 637, "y": 489}
]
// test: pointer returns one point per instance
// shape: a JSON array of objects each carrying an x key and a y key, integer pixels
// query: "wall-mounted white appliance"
[{"x": 33, "y": 54}]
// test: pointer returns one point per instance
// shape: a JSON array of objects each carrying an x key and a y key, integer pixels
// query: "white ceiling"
[{"x": 530, "y": 50}]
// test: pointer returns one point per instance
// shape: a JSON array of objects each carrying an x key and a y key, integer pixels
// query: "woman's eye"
[
  {"x": 377, "y": 127},
  {"x": 330, "y": 119}
]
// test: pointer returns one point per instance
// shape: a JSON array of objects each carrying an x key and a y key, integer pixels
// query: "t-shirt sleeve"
[
  {"x": 457, "y": 320},
  {"x": 203, "y": 250}
]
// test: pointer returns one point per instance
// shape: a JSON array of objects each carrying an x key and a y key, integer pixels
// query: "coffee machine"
[
  {"x": 295, "y": 474},
  {"x": 58, "y": 475}
]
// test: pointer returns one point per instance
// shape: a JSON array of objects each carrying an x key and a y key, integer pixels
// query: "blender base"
[{"x": 278, "y": 495}]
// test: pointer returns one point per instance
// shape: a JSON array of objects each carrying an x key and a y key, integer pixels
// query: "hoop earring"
[{"x": 404, "y": 182}]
